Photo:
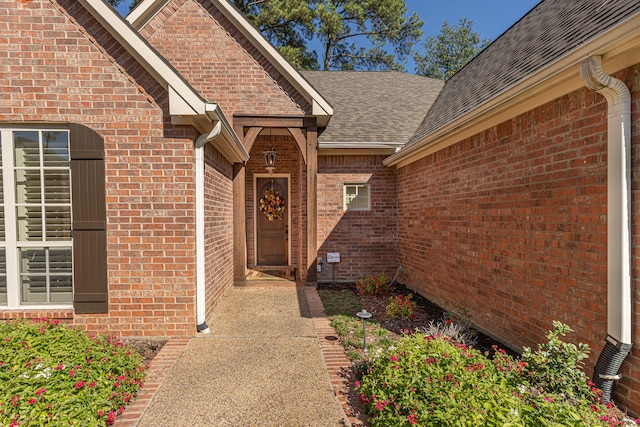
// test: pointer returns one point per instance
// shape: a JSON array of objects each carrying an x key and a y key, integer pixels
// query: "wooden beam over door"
[{"x": 269, "y": 122}]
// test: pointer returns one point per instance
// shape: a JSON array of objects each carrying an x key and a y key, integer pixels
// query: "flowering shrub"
[
  {"x": 51, "y": 374},
  {"x": 432, "y": 380},
  {"x": 401, "y": 307},
  {"x": 370, "y": 285}
]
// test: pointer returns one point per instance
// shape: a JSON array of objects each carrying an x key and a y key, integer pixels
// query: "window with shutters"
[{"x": 35, "y": 218}]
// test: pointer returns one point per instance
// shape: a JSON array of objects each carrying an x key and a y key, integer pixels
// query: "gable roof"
[
  {"x": 548, "y": 41},
  {"x": 373, "y": 109},
  {"x": 321, "y": 109},
  {"x": 185, "y": 104}
]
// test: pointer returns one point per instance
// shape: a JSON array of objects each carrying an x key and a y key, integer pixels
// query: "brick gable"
[{"x": 220, "y": 62}]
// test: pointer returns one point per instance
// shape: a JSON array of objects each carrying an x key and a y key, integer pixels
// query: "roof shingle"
[
  {"x": 373, "y": 107},
  {"x": 549, "y": 31}
]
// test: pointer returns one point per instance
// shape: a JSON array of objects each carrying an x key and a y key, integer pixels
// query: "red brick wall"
[
  {"x": 366, "y": 240},
  {"x": 54, "y": 70},
  {"x": 511, "y": 225},
  {"x": 220, "y": 62},
  {"x": 291, "y": 162},
  {"x": 218, "y": 226}
]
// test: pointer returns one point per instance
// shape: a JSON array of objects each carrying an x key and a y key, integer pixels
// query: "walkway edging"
[{"x": 159, "y": 367}]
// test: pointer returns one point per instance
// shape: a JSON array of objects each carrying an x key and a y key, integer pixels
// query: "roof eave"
[
  {"x": 619, "y": 48},
  {"x": 320, "y": 108},
  {"x": 185, "y": 104}
]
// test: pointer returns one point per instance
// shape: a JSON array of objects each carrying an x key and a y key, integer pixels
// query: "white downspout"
[
  {"x": 201, "y": 312},
  {"x": 619, "y": 301}
]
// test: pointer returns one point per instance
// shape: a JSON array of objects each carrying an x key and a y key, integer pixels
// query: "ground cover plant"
[
  {"x": 55, "y": 375},
  {"x": 428, "y": 370}
]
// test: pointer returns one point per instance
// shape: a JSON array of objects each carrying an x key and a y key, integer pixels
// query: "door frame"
[{"x": 255, "y": 215}]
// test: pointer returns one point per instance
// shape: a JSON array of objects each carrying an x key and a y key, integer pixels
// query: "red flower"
[
  {"x": 41, "y": 391},
  {"x": 79, "y": 385}
]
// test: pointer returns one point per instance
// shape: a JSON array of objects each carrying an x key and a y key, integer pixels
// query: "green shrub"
[
  {"x": 371, "y": 285},
  {"x": 401, "y": 307},
  {"x": 557, "y": 366},
  {"x": 432, "y": 380},
  {"x": 51, "y": 374}
]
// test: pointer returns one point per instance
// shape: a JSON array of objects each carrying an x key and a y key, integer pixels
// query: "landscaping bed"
[{"x": 426, "y": 366}]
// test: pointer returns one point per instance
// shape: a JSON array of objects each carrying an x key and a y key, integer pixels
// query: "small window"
[{"x": 356, "y": 197}]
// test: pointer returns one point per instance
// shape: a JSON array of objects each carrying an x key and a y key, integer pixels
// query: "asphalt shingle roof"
[
  {"x": 550, "y": 30},
  {"x": 373, "y": 107}
]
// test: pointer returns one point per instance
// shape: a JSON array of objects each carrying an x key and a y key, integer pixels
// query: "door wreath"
[{"x": 272, "y": 205}]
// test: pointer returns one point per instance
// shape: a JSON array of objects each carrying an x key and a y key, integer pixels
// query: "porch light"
[{"x": 270, "y": 158}]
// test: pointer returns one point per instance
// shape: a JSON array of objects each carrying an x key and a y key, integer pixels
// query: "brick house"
[{"x": 133, "y": 168}]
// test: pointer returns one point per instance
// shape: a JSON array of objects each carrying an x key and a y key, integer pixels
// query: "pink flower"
[
  {"x": 79, "y": 385},
  {"x": 111, "y": 418},
  {"x": 357, "y": 383},
  {"x": 32, "y": 401},
  {"x": 41, "y": 391},
  {"x": 379, "y": 405},
  {"x": 413, "y": 418},
  {"x": 91, "y": 384}
]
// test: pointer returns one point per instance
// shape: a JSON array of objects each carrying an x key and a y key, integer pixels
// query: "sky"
[{"x": 490, "y": 18}]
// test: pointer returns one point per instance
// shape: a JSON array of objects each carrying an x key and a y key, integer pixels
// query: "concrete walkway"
[{"x": 261, "y": 365}]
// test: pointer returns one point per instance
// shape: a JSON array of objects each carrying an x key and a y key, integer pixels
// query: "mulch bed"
[{"x": 425, "y": 312}]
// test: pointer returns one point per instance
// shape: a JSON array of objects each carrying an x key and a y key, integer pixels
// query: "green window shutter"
[{"x": 89, "y": 222}]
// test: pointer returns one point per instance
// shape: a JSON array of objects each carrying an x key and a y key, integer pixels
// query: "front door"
[{"x": 272, "y": 221}]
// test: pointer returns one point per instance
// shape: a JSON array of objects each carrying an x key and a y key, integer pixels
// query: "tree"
[
  {"x": 287, "y": 24},
  {"x": 354, "y": 34},
  {"x": 449, "y": 51}
]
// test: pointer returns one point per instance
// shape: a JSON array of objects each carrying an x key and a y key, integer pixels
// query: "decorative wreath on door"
[{"x": 272, "y": 205}]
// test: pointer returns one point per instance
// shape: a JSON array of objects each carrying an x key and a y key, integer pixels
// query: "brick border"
[
  {"x": 159, "y": 367},
  {"x": 335, "y": 359}
]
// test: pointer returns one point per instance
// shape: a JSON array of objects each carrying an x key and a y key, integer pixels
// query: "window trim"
[
  {"x": 357, "y": 185},
  {"x": 11, "y": 244}
]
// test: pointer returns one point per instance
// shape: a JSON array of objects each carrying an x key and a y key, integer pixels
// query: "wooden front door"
[{"x": 272, "y": 245}]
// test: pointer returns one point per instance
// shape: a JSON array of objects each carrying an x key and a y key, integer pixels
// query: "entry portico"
[{"x": 297, "y": 141}]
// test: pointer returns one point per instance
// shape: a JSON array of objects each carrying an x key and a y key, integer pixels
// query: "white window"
[
  {"x": 35, "y": 218},
  {"x": 356, "y": 197}
]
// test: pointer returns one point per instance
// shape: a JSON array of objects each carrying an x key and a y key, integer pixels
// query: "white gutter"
[{"x": 619, "y": 322}]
